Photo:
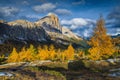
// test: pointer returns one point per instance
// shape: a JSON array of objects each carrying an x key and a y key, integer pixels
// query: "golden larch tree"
[
  {"x": 100, "y": 42},
  {"x": 69, "y": 53},
  {"x": 22, "y": 54},
  {"x": 63, "y": 56},
  {"x": 39, "y": 49},
  {"x": 43, "y": 54},
  {"x": 13, "y": 57},
  {"x": 81, "y": 54},
  {"x": 30, "y": 54},
  {"x": 60, "y": 55},
  {"x": 52, "y": 52}
]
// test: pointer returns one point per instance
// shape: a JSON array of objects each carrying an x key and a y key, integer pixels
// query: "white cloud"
[
  {"x": 87, "y": 32},
  {"x": 8, "y": 11},
  {"x": 84, "y": 27},
  {"x": 63, "y": 11},
  {"x": 44, "y": 7},
  {"x": 113, "y": 31},
  {"x": 77, "y": 22},
  {"x": 80, "y": 26}
]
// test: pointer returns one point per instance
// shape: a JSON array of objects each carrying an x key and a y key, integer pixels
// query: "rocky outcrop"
[
  {"x": 22, "y": 30},
  {"x": 70, "y": 34},
  {"x": 50, "y": 23}
]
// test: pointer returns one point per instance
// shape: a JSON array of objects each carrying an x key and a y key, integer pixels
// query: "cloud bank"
[
  {"x": 63, "y": 11},
  {"x": 8, "y": 12},
  {"x": 80, "y": 26},
  {"x": 114, "y": 21},
  {"x": 46, "y": 7}
]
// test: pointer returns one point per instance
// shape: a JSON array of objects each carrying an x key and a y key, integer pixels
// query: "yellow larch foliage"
[
  {"x": 95, "y": 53},
  {"x": 14, "y": 57},
  {"x": 63, "y": 56},
  {"x": 60, "y": 55},
  {"x": 33, "y": 51},
  {"x": 39, "y": 51},
  {"x": 52, "y": 52},
  {"x": 69, "y": 53},
  {"x": 81, "y": 54},
  {"x": 29, "y": 54},
  {"x": 100, "y": 42},
  {"x": 22, "y": 54},
  {"x": 43, "y": 54}
]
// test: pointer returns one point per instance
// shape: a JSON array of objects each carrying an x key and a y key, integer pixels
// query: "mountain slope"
[
  {"x": 57, "y": 33},
  {"x": 46, "y": 29}
]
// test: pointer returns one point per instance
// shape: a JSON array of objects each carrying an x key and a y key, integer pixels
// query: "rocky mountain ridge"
[{"x": 46, "y": 29}]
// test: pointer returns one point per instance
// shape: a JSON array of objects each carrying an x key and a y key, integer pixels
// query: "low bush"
[
  {"x": 76, "y": 65},
  {"x": 54, "y": 73},
  {"x": 96, "y": 65},
  {"x": 2, "y": 59}
]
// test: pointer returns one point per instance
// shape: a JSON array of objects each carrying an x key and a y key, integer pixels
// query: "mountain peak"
[
  {"x": 47, "y": 28},
  {"x": 50, "y": 22},
  {"x": 52, "y": 14}
]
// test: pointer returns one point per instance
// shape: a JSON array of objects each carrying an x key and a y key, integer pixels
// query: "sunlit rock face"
[
  {"x": 50, "y": 23},
  {"x": 70, "y": 34}
]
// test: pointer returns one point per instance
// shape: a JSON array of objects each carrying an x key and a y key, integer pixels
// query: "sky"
[{"x": 79, "y": 16}]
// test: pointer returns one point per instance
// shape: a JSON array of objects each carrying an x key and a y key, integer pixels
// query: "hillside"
[{"x": 45, "y": 29}]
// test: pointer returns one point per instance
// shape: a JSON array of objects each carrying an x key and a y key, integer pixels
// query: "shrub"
[
  {"x": 76, "y": 65},
  {"x": 54, "y": 73},
  {"x": 2, "y": 58}
]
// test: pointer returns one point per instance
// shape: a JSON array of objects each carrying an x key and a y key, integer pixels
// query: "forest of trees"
[
  {"x": 45, "y": 53},
  {"x": 101, "y": 47}
]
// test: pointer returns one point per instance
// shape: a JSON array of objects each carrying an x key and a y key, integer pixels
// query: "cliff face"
[
  {"x": 50, "y": 23},
  {"x": 21, "y": 30},
  {"x": 47, "y": 28},
  {"x": 70, "y": 34}
]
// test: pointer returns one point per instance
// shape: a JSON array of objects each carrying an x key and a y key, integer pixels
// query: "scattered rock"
[{"x": 7, "y": 74}]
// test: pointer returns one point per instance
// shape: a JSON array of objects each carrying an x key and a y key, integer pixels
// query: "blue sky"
[{"x": 78, "y": 15}]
